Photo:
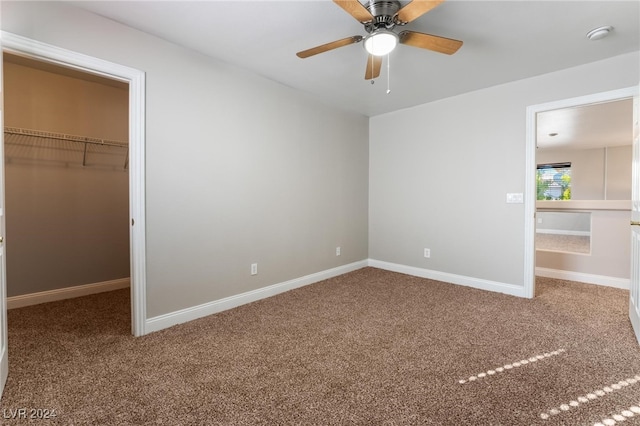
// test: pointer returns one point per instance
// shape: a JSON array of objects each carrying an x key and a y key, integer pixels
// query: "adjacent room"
[
  {"x": 583, "y": 192},
  {"x": 320, "y": 212}
]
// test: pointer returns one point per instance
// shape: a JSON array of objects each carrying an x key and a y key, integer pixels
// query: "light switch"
[{"x": 515, "y": 198}]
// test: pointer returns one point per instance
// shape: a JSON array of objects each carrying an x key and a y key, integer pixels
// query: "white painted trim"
[
  {"x": 530, "y": 167},
  {"x": 66, "y": 293},
  {"x": 530, "y": 208},
  {"x": 4, "y": 340},
  {"x": 563, "y": 232},
  {"x": 635, "y": 320},
  {"x": 560, "y": 206},
  {"x": 4, "y": 368},
  {"x": 137, "y": 202},
  {"x": 4, "y": 348},
  {"x": 479, "y": 283},
  {"x": 189, "y": 314},
  {"x": 136, "y": 79},
  {"x": 622, "y": 283}
]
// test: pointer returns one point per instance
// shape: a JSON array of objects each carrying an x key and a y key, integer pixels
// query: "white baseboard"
[
  {"x": 65, "y": 293},
  {"x": 563, "y": 232},
  {"x": 511, "y": 289},
  {"x": 189, "y": 314},
  {"x": 622, "y": 283}
]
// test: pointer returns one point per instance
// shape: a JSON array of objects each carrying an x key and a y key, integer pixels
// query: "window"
[{"x": 554, "y": 181}]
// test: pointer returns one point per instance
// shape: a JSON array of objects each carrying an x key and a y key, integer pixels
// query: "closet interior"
[{"x": 66, "y": 178}]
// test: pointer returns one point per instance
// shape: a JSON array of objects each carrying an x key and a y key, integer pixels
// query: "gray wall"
[
  {"x": 596, "y": 174},
  {"x": 240, "y": 169},
  {"x": 66, "y": 224},
  {"x": 440, "y": 172}
]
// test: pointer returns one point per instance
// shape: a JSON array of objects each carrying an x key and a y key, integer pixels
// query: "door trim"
[
  {"x": 23, "y": 46},
  {"x": 530, "y": 168}
]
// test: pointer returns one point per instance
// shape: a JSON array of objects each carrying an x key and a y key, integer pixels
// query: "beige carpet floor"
[{"x": 367, "y": 348}]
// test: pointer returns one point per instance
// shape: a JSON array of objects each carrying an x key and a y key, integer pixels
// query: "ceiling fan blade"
[
  {"x": 416, "y": 9},
  {"x": 431, "y": 42},
  {"x": 329, "y": 46},
  {"x": 374, "y": 63},
  {"x": 355, "y": 9}
]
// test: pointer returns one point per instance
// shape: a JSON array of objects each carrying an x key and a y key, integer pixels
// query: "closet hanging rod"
[{"x": 64, "y": 137}]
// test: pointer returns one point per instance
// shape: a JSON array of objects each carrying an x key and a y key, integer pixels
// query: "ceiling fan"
[{"x": 379, "y": 18}]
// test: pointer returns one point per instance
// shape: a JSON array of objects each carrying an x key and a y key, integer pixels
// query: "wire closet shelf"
[{"x": 29, "y": 137}]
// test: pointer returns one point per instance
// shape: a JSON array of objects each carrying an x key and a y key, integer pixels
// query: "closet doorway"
[
  {"x": 53, "y": 55},
  {"x": 66, "y": 182}
]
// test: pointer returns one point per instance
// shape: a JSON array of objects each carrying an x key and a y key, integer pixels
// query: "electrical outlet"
[
  {"x": 427, "y": 252},
  {"x": 254, "y": 269},
  {"x": 337, "y": 251},
  {"x": 539, "y": 220}
]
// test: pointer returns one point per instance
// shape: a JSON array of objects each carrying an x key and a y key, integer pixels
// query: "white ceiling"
[
  {"x": 503, "y": 41},
  {"x": 606, "y": 124}
]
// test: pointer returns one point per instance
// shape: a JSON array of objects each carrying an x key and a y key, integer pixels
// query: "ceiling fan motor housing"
[{"x": 383, "y": 12}]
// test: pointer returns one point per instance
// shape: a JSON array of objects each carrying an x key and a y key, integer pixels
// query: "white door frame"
[
  {"x": 4, "y": 341},
  {"x": 23, "y": 46},
  {"x": 634, "y": 284},
  {"x": 530, "y": 169}
]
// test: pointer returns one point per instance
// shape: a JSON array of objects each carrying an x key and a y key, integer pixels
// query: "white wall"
[
  {"x": 240, "y": 169},
  {"x": 439, "y": 174}
]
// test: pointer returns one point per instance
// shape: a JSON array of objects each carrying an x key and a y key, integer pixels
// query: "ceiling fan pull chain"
[
  {"x": 388, "y": 73},
  {"x": 373, "y": 79},
  {"x": 372, "y": 59}
]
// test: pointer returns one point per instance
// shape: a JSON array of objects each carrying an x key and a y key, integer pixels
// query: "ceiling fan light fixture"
[{"x": 381, "y": 42}]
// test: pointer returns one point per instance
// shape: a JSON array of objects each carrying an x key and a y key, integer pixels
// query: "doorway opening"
[
  {"x": 66, "y": 182},
  {"x": 598, "y": 203},
  {"x": 135, "y": 79}
]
